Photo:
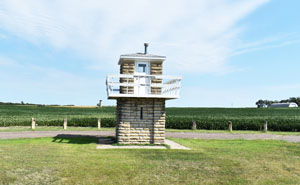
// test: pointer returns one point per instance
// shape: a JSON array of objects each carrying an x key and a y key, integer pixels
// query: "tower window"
[
  {"x": 142, "y": 68},
  {"x": 141, "y": 113}
]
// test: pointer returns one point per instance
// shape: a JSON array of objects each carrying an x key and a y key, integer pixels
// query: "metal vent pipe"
[{"x": 146, "y": 45}]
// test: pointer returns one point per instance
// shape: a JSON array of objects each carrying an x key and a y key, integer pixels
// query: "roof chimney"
[{"x": 146, "y": 45}]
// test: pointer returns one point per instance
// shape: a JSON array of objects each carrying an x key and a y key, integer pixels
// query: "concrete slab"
[
  {"x": 106, "y": 143},
  {"x": 129, "y": 147},
  {"x": 174, "y": 145}
]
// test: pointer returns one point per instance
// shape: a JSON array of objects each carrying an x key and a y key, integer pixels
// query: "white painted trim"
[
  {"x": 137, "y": 65},
  {"x": 170, "y": 86},
  {"x": 154, "y": 76},
  {"x": 154, "y": 59},
  {"x": 115, "y": 96},
  {"x": 141, "y": 79},
  {"x": 146, "y": 58}
]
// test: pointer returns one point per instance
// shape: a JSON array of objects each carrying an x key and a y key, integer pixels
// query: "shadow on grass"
[{"x": 76, "y": 139}]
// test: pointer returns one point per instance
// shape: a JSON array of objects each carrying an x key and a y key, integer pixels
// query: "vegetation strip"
[{"x": 279, "y": 119}]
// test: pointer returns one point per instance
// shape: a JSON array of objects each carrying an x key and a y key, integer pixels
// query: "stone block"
[
  {"x": 139, "y": 130},
  {"x": 159, "y": 132}
]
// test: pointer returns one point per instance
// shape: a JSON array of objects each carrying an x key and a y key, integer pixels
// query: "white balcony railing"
[{"x": 148, "y": 86}]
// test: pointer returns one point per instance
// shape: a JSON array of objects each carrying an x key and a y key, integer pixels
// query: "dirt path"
[{"x": 35, "y": 134}]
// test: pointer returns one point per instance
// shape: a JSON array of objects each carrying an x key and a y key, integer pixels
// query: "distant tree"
[
  {"x": 259, "y": 103},
  {"x": 22, "y": 102},
  {"x": 295, "y": 100},
  {"x": 262, "y": 103},
  {"x": 269, "y": 103},
  {"x": 298, "y": 101}
]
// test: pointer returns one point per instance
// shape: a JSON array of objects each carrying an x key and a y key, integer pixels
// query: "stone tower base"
[{"x": 140, "y": 121}]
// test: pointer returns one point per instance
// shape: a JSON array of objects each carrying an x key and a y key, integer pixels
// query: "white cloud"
[
  {"x": 2, "y": 36},
  {"x": 195, "y": 35},
  {"x": 7, "y": 62},
  {"x": 31, "y": 83},
  {"x": 266, "y": 43}
]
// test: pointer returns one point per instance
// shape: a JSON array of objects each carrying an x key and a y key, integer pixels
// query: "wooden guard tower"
[{"x": 141, "y": 90}]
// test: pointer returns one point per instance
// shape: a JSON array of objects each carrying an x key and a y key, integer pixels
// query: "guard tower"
[{"x": 141, "y": 90}]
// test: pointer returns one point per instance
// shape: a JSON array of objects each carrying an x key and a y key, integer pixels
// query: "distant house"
[
  {"x": 284, "y": 105},
  {"x": 264, "y": 106}
]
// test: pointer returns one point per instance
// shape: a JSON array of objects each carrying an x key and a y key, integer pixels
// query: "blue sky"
[{"x": 230, "y": 53}]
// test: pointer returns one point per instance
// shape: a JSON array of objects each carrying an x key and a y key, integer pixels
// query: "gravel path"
[{"x": 35, "y": 134}]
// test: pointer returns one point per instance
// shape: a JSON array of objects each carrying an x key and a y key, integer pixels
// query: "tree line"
[
  {"x": 266, "y": 103},
  {"x": 22, "y": 103}
]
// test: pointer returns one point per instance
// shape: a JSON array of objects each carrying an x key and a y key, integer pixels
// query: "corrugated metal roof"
[{"x": 289, "y": 104}]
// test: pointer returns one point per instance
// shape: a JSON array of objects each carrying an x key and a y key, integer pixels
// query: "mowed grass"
[{"x": 77, "y": 161}]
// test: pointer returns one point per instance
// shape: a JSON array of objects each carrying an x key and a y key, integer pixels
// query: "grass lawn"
[
  {"x": 49, "y": 128},
  {"x": 76, "y": 161}
]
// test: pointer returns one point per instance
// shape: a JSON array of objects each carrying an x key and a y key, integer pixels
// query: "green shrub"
[{"x": 237, "y": 123}]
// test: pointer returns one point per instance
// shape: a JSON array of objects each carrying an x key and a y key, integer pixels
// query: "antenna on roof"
[{"x": 146, "y": 45}]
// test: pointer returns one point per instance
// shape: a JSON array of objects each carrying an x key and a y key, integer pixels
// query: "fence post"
[
  {"x": 32, "y": 123},
  {"x": 65, "y": 123},
  {"x": 194, "y": 126},
  {"x": 266, "y": 126},
  {"x": 230, "y": 126},
  {"x": 99, "y": 123}
]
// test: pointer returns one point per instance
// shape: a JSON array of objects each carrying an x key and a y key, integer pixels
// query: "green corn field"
[{"x": 279, "y": 119}]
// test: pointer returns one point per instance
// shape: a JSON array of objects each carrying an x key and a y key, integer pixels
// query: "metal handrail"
[{"x": 142, "y": 84}]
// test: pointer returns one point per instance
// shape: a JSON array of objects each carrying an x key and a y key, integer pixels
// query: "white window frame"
[{"x": 142, "y": 62}]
